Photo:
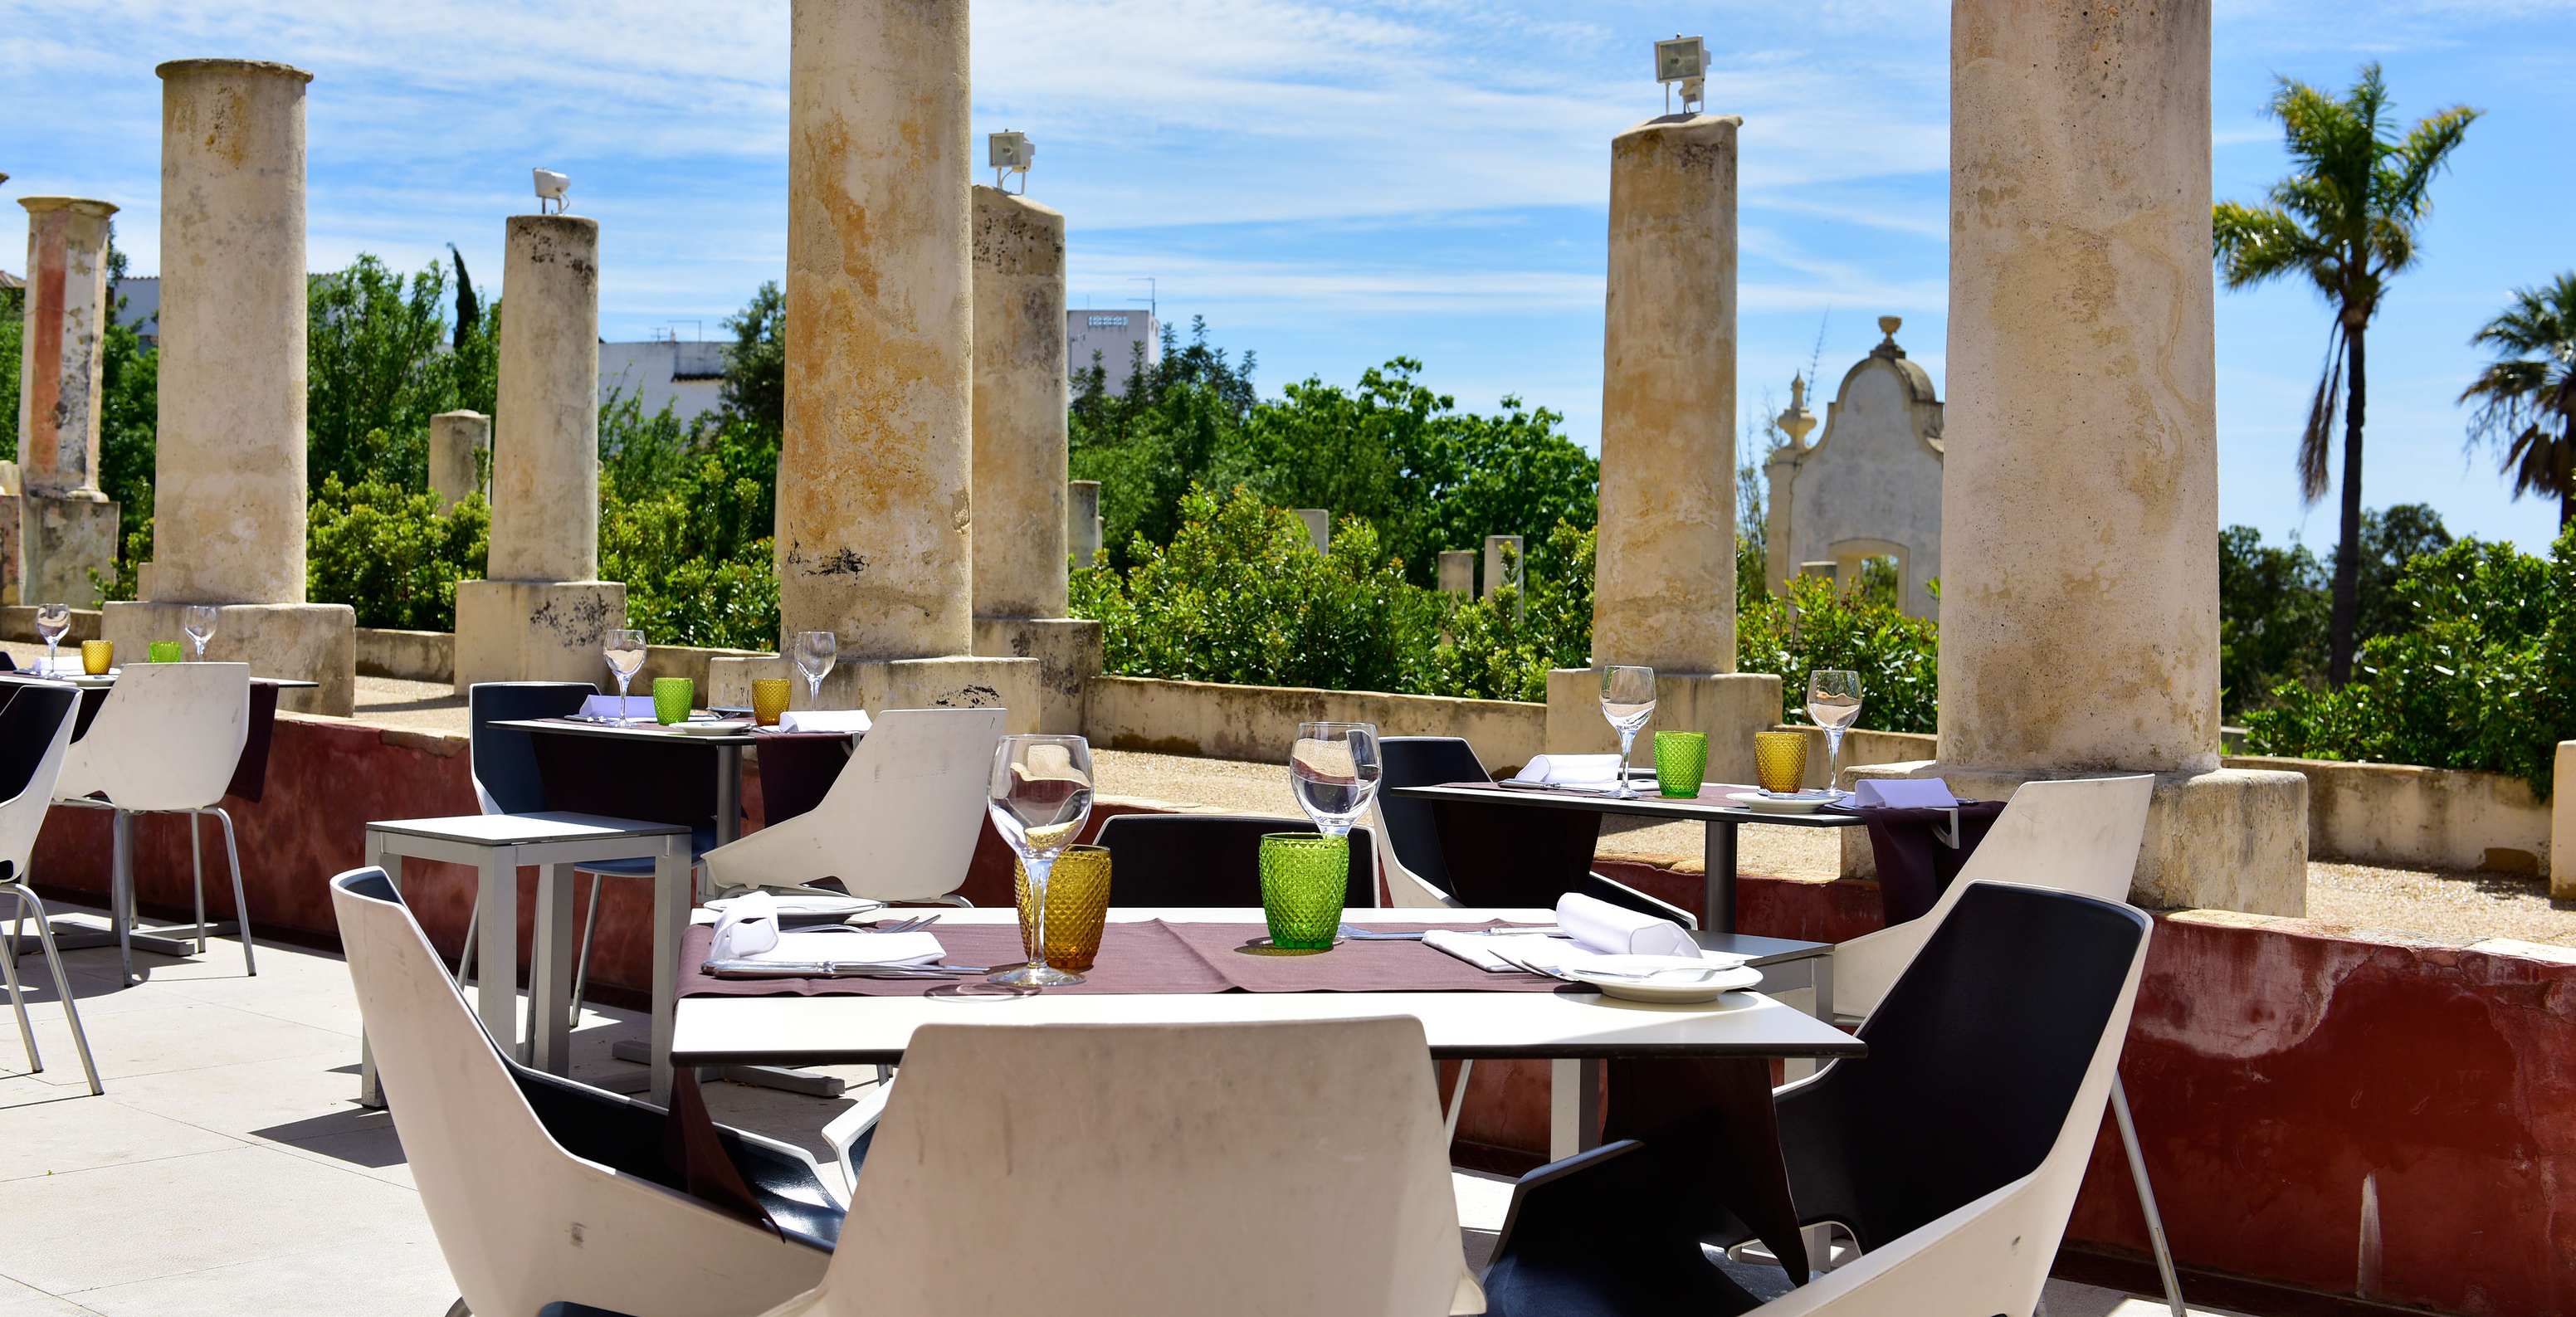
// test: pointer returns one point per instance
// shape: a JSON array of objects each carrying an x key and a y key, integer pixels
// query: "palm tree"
[
  {"x": 2520, "y": 398},
  {"x": 2345, "y": 220}
]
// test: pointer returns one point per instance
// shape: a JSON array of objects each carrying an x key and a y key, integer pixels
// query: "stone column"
[
  {"x": 541, "y": 613},
  {"x": 1458, "y": 571},
  {"x": 67, "y": 528},
  {"x": 2079, "y": 528},
  {"x": 1082, "y": 521},
  {"x": 228, "y": 512},
  {"x": 1664, "y": 595},
  {"x": 457, "y": 443},
  {"x": 875, "y": 509}
]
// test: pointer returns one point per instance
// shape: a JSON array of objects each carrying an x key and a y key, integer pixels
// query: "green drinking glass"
[
  {"x": 1681, "y": 761},
  {"x": 1304, "y": 876},
  {"x": 165, "y": 651},
  {"x": 672, "y": 697}
]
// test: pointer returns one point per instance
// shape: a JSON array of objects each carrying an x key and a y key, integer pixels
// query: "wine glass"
[
  {"x": 625, "y": 653},
  {"x": 52, "y": 620},
  {"x": 199, "y": 622},
  {"x": 816, "y": 651},
  {"x": 1833, "y": 701},
  {"x": 1628, "y": 701},
  {"x": 1040, "y": 796},
  {"x": 1334, "y": 771}
]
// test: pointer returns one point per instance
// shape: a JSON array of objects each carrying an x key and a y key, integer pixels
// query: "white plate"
[
  {"x": 708, "y": 727},
  {"x": 1802, "y": 803},
  {"x": 1678, "y": 987}
]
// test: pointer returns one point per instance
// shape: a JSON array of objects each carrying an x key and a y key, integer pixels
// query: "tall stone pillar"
[
  {"x": 541, "y": 614},
  {"x": 66, "y": 527},
  {"x": 1664, "y": 594},
  {"x": 1082, "y": 521},
  {"x": 2079, "y": 527},
  {"x": 228, "y": 506},
  {"x": 458, "y": 444},
  {"x": 875, "y": 491}
]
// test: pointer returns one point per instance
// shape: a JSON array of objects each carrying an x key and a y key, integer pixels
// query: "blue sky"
[{"x": 1333, "y": 184}]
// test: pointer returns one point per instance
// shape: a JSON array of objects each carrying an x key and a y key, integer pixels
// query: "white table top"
[
  {"x": 1573, "y": 1023},
  {"x": 526, "y": 829}
]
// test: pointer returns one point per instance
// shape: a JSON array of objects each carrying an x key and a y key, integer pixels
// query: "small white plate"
[
  {"x": 1681, "y": 985},
  {"x": 710, "y": 727},
  {"x": 1805, "y": 802}
]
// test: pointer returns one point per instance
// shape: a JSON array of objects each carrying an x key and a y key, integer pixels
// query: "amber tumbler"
[
  {"x": 1077, "y": 904},
  {"x": 769, "y": 699},
  {"x": 97, "y": 656},
  {"x": 1780, "y": 761}
]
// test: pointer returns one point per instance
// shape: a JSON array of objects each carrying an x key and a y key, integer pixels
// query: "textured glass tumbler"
[
  {"x": 1780, "y": 761},
  {"x": 97, "y": 656},
  {"x": 164, "y": 651},
  {"x": 769, "y": 696},
  {"x": 672, "y": 697},
  {"x": 1304, "y": 876},
  {"x": 1077, "y": 905},
  {"x": 1681, "y": 761}
]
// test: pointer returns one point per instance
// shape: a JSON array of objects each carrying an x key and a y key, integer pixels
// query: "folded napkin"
[
  {"x": 605, "y": 706},
  {"x": 749, "y": 930},
  {"x": 747, "y": 927},
  {"x": 1904, "y": 793},
  {"x": 60, "y": 667},
  {"x": 1597, "y": 925},
  {"x": 1485, "y": 951},
  {"x": 1572, "y": 770},
  {"x": 824, "y": 720}
]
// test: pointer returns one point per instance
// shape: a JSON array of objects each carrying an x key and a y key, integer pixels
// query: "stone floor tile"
[
  {"x": 80, "y": 1132},
  {"x": 247, "y": 1099},
  {"x": 190, "y": 1037},
  {"x": 402, "y": 1276},
  {"x": 18, "y": 1300}
]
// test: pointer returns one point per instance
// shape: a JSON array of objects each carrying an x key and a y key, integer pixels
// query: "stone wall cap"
[
  {"x": 1668, "y": 122},
  {"x": 164, "y": 70},
  {"x": 444, "y": 415},
  {"x": 84, "y": 205},
  {"x": 560, "y": 221},
  {"x": 1021, "y": 199}
]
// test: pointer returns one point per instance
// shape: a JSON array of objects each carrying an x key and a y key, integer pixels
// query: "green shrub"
[
  {"x": 1816, "y": 626},
  {"x": 1496, "y": 651},
  {"x": 390, "y": 554},
  {"x": 694, "y": 550}
]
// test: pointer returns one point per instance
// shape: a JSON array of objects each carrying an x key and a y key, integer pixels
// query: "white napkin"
[
  {"x": 1481, "y": 950},
  {"x": 1597, "y": 925},
  {"x": 605, "y": 706},
  {"x": 748, "y": 930},
  {"x": 1571, "y": 770},
  {"x": 1905, "y": 792},
  {"x": 60, "y": 667},
  {"x": 825, "y": 720},
  {"x": 748, "y": 927}
]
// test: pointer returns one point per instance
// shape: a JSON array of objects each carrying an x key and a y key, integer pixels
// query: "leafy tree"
[
  {"x": 685, "y": 516},
  {"x": 2530, "y": 390},
  {"x": 379, "y": 366},
  {"x": 2271, "y": 617},
  {"x": 2346, "y": 219},
  {"x": 2392, "y": 538},
  {"x": 755, "y": 377},
  {"x": 390, "y": 554},
  {"x": 1173, "y": 425},
  {"x": 13, "y": 339},
  {"x": 1817, "y": 625}
]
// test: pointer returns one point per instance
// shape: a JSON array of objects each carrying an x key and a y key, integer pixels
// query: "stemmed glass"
[
  {"x": 1334, "y": 771},
  {"x": 1040, "y": 796},
  {"x": 1628, "y": 701},
  {"x": 199, "y": 622},
  {"x": 816, "y": 651},
  {"x": 625, "y": 652},
  {"x": 1833, "y": 701},
  {"x": 52, "y": 620}
]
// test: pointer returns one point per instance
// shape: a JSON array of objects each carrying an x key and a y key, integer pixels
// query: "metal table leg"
[
  {"x": 120, "y": 885},
  {"x": 1717, "y": 907},
  {"x": 728, "y": 793},
  {"x": 496, "y": 989},
  {"x": 671, "y": 902},
  {"x": 1573, "y": 1108},
  {"x": 550, "y": 1021}
]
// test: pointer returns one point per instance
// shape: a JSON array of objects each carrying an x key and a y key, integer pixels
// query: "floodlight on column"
[
  {"x": 1010, "y": 153},
  {"x": 1683, "y": 60},
  {"x": 552, "y": 186}
]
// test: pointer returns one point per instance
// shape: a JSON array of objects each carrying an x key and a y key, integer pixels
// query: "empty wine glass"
[
  {"x": 625, "y": 654},
  {"x": 199, "y": 622},
  {"x": 816, "y": 651},
  {"x": 1628, "y": 701},
  {"x": 52, "y": 620},
  {"x": 1039, "y": 797},
  {"x": 1334, "y": 771},
  {"x": 1833, "y": 701}
]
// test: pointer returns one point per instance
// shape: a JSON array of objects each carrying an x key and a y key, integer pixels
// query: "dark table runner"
[
  {"x": 1915, "y": 867},
  {"x": 1154, "y": 956}
]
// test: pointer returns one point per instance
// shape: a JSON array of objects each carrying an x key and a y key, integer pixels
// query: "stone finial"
[
  {"x": 1887, "y": 346},
  {"x": 1797, "y": 421}
]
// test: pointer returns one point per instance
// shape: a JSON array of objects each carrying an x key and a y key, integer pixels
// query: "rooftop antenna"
[
  {"x": 552, "y": 186},
  {"x": 1010, "y": 153},
  {"x": 1152, "y": 306},
  {"x": 1683, "y": 60}
]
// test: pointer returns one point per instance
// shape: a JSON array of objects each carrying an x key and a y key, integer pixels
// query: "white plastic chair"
[
  {"x": 899, "y": 823},
  {"x": 37, "y": 724},
  {"x": 522, "y": 1218},
  {"x": 165, "y": 742},
  {"x": 1289, "y": 1168}
]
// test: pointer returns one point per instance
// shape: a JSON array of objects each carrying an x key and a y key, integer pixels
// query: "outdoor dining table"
[{"x": 648, "y": 771}]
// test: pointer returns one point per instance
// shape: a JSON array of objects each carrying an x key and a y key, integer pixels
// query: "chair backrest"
[
  {"x": 505, "y": 758},
  {"x": 1107, "y": 1170},
  {"x": 1954, "y": 1150},
  {"x": 900, "y": 822},
  {"x": 1408, "y": 832},
  {"x": 168, "y": 737},
  {"x": 1211, "y": 859},
  {"x": 510, "y": 1206},
  {"x": 35, "y": 736},
  {"x": 2078, "y": 836}
]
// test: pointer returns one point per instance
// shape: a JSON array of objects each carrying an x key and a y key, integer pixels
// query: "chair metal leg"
[
  {"x": 241, "y": 903},
  {"x": 197, "y": 870},
  {"x": 581, "y": 963},
  {"x": 62, "y": 984},
  {"x": 2146, "y": 1197},
  {"x": 17, "y": 998},
  {"x": 465, "y": 954},
  {"x": 120, "y": 881},
  {"x": 1458, "y": 1097}
]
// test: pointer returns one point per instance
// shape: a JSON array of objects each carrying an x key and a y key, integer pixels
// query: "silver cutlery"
[
  {"x": 1358, "y": 934},
  {"x": 835, "y": 969}
]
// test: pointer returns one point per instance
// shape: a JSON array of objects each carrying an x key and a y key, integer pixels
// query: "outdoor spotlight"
[
  {"x": 551, "y": 186},
  {"x": 1683, "y": 60},
  {"x": 1010, "y": 153}
]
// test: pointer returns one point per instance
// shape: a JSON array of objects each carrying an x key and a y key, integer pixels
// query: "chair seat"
[{"x": 701, "y": 840}]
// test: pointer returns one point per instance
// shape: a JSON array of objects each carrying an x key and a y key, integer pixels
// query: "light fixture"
[
  {"x": 1010, "y": 153},
  {"x": 552, "y": 186},
  {"x": 1683, "y": 60}
]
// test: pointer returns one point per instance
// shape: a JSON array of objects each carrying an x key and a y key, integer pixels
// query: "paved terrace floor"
[{"x": 229, "y": 1170}]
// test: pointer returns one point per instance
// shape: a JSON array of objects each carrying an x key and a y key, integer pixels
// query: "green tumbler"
[
  {"x": 672, "y": 697},
  {"x": 1304, "y": 876},
  {"x": 164, "y": 651},
  {"x": 1681, "y": 761}
]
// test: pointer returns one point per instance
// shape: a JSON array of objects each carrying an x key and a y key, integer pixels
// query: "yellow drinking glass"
[
  {"x": 1077, "y": 905},
  {"x": 769, "y": 699},
  {"x": 1780, "y": 760},
  {"x": 97, "y": 656}
]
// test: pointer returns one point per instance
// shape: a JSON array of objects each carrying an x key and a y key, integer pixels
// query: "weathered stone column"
[
  {"x": 1082, "y": 521},
  {"x": 875, "y": 501},
  {"x": 2079, "y": 528},
  {"x": 1664, "y": 595},
  {"x": 228, "y": 507},
  {"x": 457, "y": 442},
  {"x": 541, "y": 612},
  {"x": 67, "y": 528}
]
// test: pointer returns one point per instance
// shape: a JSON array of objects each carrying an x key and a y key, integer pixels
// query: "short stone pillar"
[
  {"x": 875, "y": 501},
  {"x": 67, "y": 527},
  {"x": 228, "y": 512},
  {"x": 1505, "y": 565},
  {"x": 1458, "y": 571},
  {"x": 2562, "y": 826},
  {"x": 1082, "y": 522},
  {"x": 1664, "y": 594},
  {"x": 459, "y": 443},
  {"x": 2079, "y": 530},
  {"x": 1319, "y": 527},
  {"x": 541, "y": 614}
]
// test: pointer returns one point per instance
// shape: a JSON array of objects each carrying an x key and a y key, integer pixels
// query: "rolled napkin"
[
  {"x": 1571, "y": 770},
  {"x": 1596, "y": 925},
  {"x": 748, "y": 927},
  {"x": 639, "y": 707},
  {"x": 749, "y": 930},
  {"x": 1904, "y": 793},
  {"x": 825, "y": 720}
]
